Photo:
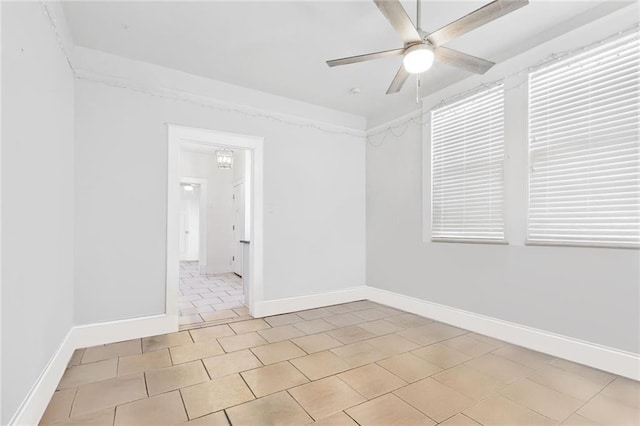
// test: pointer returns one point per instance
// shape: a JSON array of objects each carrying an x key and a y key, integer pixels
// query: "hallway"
[{"x": 209, "y": 298}]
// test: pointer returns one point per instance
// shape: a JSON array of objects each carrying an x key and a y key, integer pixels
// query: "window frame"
[
  {"x": 551, "y": 243},
  {"x": 497, "y": 85}
]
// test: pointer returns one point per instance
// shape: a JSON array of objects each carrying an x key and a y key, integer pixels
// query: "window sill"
[
  {"x": 581, "y": 245},
  {"x": 469, "y": 241}
]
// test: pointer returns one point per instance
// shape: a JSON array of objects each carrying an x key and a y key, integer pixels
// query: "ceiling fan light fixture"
[{"x": 417, "y": 59}]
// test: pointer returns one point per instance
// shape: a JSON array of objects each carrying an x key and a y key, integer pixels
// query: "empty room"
[{"x": 363, "y": 212}]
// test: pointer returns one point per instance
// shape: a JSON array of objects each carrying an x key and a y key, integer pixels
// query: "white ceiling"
[{"x": 280, "y": 47}]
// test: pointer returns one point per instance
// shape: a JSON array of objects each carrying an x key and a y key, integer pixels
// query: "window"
[
  {"x": 467, "y": 168},
  {"x": 584, "y": 162}
]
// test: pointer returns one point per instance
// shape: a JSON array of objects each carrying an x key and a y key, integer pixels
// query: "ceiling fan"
[{"x": 422, "y": 48}]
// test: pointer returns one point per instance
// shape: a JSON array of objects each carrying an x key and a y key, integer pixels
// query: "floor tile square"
[
  {"x": 165, "y": 409},
  {"x": 531, "y": 359},
  {"x": 608, "y": 411},
  {"x": 469, "y": 382},
  {"x": 392, "y": 344},
  {"x": 541, "y": 399},
  {"x": 431, "y": 333},
  {"x": 234, "y": 362},
  {"x": 312, "y": 314},
  {"x": 469, "y": 345},
  {"x": 276, "y": 352},
  {"x": 592, "y": 374},
  {"x": 624, "y": 390},
  {"x": 409, "y": 367},
  {"x": 314, "y": 326},
  {"x": 218, "y": 315},
  {"x": 498, "y": 410},
  {"x": 371, "y": 314},
  {"x": 434, "y": 399},
  {"x": 380, "y": 327},
  {"x": 320, "y": 364},
  {"x": 459, "y": 420},
  {"x": 388, "y": 410},
  {"x": 112, "y": 350},
  {"x": 344, "y": 320},
  {"x": 214, "y": 419},
  {"x": 176, "y": 377},
  {"x": 350, "y": 334},
  {"x": 241, "y": 327},
  {"x": 108, "y": 393},
  {"x": 500, "y": 368},
  {"x": 337, "y": 419},
  {"x": 278, "y": 334},
  {"x": 406, "y": 320},
  {"x": 325, "y": 397},
  {"x": 273, "y": 378},
  {"x": 285, "y": 319},
  {"x": 99, "y": 418},
  {"x": 141, "y": 362},
  {"x": 277, "y": 409},
  {"x": 163, "y": 341},
  {"x": 371, "y": 380},
  {"x": 316, "y": 342},
  {"x": 59, "y": 407},
  {"x": 566, "y": 382},
  {"x": 215, "y": 395},
  {"x": 195, "y": 351},
  {"x": 241, "y": 341},
  {"x": 88, "y": 373},
  {"x": 211, "y": 333},
  {"x": 441, "y": 355},
  {"x": 360, "y": 353}
]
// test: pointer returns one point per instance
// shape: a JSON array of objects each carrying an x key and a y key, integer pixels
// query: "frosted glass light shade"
[
  {"x": 224, "y": 158},
  {"x": 417, "y": 59}
]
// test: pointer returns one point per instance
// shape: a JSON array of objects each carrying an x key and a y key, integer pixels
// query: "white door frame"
[
  {"x": 179, "y": 135},
  {"x": 202, "y": 249}
]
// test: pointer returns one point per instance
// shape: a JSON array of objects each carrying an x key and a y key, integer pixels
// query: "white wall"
[
  {"x": 219, "y": 207},
  {"x": 37, "y": 197},
  {"x": 314, "y": 201},
  {"x": 585, "y": 293}
]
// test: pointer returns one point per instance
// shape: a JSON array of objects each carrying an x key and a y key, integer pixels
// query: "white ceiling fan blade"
[
  {"x": 365, "y": 57},
  {"x": 462, "y": 60},
  {"x": 475, "y": 19},
  {"x": 398, "y": 18},
  {"x": 398, "y": 80}
]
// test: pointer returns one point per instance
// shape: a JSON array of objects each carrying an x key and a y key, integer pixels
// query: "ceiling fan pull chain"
[{"x": 418, "y": 84}]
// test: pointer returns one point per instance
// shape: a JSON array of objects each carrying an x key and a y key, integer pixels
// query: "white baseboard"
[
  {"x": 292, "y": 304},
  {"x": 34, "y": 405},
  {"x": 32, "y": 408},
  {"x": 613, "y": 360}
]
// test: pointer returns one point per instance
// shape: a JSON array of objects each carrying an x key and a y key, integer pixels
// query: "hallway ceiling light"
[
  {"x": 188, "y": 188},
  {"x": 225, "y": 158}
]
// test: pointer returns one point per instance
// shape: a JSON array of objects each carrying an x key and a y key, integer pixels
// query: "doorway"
[
  {"x": 189, "y": 222},
  {"x": 203, "y": 281}
]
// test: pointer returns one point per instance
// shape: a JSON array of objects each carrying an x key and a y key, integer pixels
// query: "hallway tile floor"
[
  {"x": 358, "y": 363},
  {"x": 209, "y": 298}
]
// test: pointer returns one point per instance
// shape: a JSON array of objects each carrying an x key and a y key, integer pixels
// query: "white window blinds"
[
  {"x": 584, "y": 147},
  {"x": 467, "y": 168}
]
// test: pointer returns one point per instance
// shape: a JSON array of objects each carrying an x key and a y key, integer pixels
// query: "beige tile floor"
[
  {"x": 353, "y": 364},
  {"x": 208, "y": 298}
]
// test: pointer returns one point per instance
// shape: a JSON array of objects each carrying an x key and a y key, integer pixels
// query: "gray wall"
[
  {"x": 314, "y": 202},
  {"x": 585, "y": 293},
  {"x": 37, "y": 199}
]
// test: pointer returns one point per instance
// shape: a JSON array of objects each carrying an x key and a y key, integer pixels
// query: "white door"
[
  {"x": 189, "y": 224},
  {"x": 238, "y": 228}
]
